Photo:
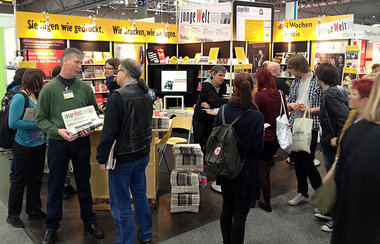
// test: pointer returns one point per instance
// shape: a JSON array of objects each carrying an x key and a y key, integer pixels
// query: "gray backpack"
[{"x": 222, "y": 153}]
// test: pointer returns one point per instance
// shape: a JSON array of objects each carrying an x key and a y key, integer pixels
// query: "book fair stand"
[{"x": 177, "y": 58}]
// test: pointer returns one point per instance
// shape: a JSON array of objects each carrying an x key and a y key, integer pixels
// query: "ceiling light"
[
  {"x": 97, "y": 6},
  {"x": 136, "y": 10},
  {"x": 122, "y": 13}
]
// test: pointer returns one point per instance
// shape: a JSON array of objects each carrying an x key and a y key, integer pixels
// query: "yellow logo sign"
[{"x": 34, "y": 25}]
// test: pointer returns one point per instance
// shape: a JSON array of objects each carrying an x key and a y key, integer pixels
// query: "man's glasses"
[{"x": 118, "y": 70}]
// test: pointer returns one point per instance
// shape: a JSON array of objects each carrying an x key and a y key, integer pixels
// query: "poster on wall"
[
  {"x": 46, "y": 53},
  {"x": 330, "y": 52},
  {"x": 129, "y": 50},
  {"x": 173, "y": 81},
  {"x": 375, "y": 52},
  {"x": 257, "y": 54},
  {"x": 253, "y": 23},
  {"x": 204, "y": 23},
  {"x": 352, "y": 57},
  {"x": 349, "y": 75}
]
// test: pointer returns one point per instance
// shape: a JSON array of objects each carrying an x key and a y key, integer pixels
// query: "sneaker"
[
  {"x": 49, "y": 237},
  {"x": 328, "y": 227},
  {"x": 323, "y": 216},
  {"x": 95, "y": 230},
  {"x": 15, "y": 222},
  {"x": 317, "y": 162},
  {"x": 297, "y": 200}
]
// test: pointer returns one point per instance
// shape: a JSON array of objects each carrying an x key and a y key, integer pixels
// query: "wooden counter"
[{"x": 99, "y": 178}]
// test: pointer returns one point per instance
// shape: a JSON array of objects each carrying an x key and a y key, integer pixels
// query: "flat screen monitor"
[{"x": 174, "y": 81}]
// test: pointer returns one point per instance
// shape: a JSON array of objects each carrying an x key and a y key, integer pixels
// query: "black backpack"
[
  {"x": 222, "y": 153},
  {"x": 7, "y": 135}
]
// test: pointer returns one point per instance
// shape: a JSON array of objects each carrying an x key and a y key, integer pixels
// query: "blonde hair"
[{"x": 372, "y": 113}]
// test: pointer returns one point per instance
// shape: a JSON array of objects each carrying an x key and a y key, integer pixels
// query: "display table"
[{"x": 99, "y": 178}]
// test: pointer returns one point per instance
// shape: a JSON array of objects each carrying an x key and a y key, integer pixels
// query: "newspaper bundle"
[
  {"x": 184, "y": 182},
  {"x": 160, "y": 122},
  {"x": 80, "y": 119},
  {"x": 185, "y": 202},
  {"x": 188, "y": 157}
]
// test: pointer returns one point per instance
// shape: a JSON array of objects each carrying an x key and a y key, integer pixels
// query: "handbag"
[
  {"x": 283, "y": 130},
  {"x": 302, "y": 134},
  {"x": 326, "y": 196}
]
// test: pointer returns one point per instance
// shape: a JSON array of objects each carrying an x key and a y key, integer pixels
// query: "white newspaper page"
[{"x": 80, "y": 119}]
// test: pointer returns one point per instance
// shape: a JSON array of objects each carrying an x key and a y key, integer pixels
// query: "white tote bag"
[
  {"x": 283, "y": 130},
  {"x": 302, "y": 128}
]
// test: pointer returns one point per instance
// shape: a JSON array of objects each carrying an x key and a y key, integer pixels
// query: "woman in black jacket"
[
  {"x": 334, "y": 110},
  {"x": 239, "y": 192},
  {"x": 210, "y": 97}
]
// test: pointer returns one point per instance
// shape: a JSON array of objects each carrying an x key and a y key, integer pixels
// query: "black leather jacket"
[{"x": 128, "y": 119}]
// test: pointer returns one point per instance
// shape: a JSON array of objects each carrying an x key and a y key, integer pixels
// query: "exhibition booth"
[{"x": 177, "y": 58}]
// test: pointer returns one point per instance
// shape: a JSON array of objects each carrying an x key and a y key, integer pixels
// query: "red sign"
[
  {"x": 46, "y": 53},
  {"x": 363, "y": 51}
]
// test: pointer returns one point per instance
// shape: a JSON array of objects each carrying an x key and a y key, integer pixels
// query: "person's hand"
[
  {"x": 100, "y": 107},
  {"x": 205, "y": 105},
  {"x": 103, "y": 167},
  {"x": 295, "y": 106},
  {"x": 302, "y": 107},
  {"x": 67, "y": 135},
  {"x": 84, "y": 133},
  {"x": 333, "y": 142}
]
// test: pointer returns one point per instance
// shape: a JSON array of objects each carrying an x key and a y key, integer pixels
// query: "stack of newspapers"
[
  {"x": 160, "y": 122},
  {"x": 185, "y": 178}
]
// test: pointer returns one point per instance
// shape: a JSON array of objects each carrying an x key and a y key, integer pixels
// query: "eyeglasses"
[{"x": 118, "y": 70}]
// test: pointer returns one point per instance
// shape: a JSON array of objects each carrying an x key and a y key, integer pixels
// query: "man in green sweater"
[{"x": 66, "y": 92}]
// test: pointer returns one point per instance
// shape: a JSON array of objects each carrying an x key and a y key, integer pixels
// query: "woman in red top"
[{"x": 268, "y": 99}]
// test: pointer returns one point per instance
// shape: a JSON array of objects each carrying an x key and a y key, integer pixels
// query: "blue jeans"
[
  {"x": 329, "y": 159},
  {"x": 125, "y": 177},
  {"x": 59, "y": 154}
]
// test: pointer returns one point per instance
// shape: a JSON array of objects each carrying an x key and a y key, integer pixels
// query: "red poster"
[
  {"x": 363, "y": 51},
  {"x": 46, "y": 53}
]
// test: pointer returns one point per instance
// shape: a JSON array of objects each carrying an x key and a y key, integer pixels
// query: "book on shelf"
[
  {"x": 153, "y": 57},
  {"x": 98, "y": 70},
  {"x": 161, "y": 55},
  {"x": 88, "y": 72},
  {"x": 200, "y": 74},
  {"x": 80, "y": 119},
  {"x": 99, "y": 98},
  {"x": 197, "y": 57},
  {"x": 98, "y": 57},
  {"x": 287, "y": 56},
  {"x": 88, "y": 58},
  {"x": 106, "y": 56}
]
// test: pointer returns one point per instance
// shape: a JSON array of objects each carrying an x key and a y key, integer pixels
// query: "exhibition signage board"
[
  {"x": 253, "y": 22},
  {"x": 204, "y": 23},
  {"x": 46, "y": 53},
  {"x": 366, "y": 32},
  {"x": 312, "y": 29},
  {"x": 33, "y": 25}
]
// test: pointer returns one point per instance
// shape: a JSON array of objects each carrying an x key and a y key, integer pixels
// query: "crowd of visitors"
[{"x": 347, "y": 123}]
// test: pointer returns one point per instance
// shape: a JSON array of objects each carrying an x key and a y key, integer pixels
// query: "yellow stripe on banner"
[{"x": 33, "y": 25}]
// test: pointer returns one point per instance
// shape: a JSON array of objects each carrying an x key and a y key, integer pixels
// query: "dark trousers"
[
  {"x": 59, "y": 154},
  {"x": 28, "y": 171},
  {"x": 305, "y": 168},
  {"x": 202, "y": 130},
  {"x": 234, "y": 214}
]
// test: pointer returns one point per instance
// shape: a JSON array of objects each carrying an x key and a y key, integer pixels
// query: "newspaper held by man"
[{"x": 80, "y": 119}]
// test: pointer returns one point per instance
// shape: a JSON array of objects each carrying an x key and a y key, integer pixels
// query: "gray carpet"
[
  {"x": 285, "y": 224},
  {"x": 8, "y": 233}
]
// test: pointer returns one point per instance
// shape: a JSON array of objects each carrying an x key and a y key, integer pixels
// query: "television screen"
[{"x": 173, "y": 81}]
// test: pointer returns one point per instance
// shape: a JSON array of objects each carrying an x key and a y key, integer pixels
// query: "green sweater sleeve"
[{"x": 43, "y": 113}]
